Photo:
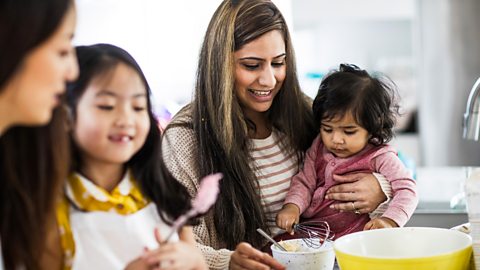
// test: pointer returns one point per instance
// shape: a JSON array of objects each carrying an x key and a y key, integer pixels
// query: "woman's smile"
[{"x": 261, "y": 95}]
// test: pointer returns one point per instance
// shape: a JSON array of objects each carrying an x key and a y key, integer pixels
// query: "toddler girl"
[
  {"x": 119, "y": 191},
  {"x": 356, "y": 113}
]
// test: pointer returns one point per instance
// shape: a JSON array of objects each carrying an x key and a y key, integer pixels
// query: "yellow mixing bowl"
[{"x": 409, "y": 248}]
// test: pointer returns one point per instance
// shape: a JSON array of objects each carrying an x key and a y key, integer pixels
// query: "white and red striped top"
[{"x": 274, "y": 167}]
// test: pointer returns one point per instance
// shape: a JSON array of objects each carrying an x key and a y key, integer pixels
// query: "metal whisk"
[{"x": 313, "y": 233}]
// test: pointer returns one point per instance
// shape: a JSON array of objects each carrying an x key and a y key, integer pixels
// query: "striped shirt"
[{"x": 274, "y": 168}]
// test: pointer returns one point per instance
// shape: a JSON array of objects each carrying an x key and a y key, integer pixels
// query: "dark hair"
[
  {"x": 370, "y": 99},
  {"x": 147, "y": 166},
  {"x": 24, "y": 24},
  {"x": 220, "y": 126},
  {"x": 33, "y": 160}
]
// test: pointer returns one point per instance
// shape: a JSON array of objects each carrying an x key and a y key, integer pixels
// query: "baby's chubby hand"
[
  {"x": 289, "y": 215},
  {"x": 379, "y": 223}
]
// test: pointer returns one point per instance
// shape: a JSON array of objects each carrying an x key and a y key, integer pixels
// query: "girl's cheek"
[{"x": 92, "y": 131}]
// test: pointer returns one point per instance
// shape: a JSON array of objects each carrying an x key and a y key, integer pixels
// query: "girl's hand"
[
  {"x": 138, "y": 264},
  {"x": 359, "y": 192},
  {"x": 289, "y": 215},
  {"x": 177, "y": 255},
  {"x": 379, "y": 223},
  {"x": 247, "y": 257}
]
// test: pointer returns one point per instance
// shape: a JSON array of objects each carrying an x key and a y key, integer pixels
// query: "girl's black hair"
[
  {"x": 147, "y": 166},
  {"x": 370, "y": 99},
  {"x": 25, "y": 24}
]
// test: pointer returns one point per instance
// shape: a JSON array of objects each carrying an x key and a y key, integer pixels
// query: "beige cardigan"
[{"x": 179, "y": 149}]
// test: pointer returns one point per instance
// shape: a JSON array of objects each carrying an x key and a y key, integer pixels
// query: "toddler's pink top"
[{"x": 308, "y": 186}]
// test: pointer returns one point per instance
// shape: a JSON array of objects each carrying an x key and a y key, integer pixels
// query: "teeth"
[
  {"x": 260, "y": 93},
  {"x": 121, "y": 138}
]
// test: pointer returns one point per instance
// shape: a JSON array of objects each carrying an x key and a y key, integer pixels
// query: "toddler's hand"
[
  {"x": 379, "y": 223},
  {"x": 289, "y": 215}
]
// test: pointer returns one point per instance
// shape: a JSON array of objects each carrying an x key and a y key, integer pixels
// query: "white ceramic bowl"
[{"x": 313, "y": 259}]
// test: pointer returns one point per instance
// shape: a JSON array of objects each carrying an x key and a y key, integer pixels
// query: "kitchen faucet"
[
  {"x": 471, "y": 120},
  {"x": 471, "y": 131}
]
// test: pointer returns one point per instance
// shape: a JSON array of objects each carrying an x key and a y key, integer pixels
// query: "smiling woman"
[
  {"x": 249, "y": 120},
  {"x": 244, "y": 123}
]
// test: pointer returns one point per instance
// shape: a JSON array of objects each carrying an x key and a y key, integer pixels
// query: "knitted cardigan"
[{"x": 179, "y": 150}]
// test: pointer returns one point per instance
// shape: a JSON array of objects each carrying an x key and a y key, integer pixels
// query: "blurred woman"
[{"x": 36, "y": 61}]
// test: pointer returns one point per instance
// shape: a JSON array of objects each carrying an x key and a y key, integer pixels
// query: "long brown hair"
[
  {"x": 33, "y": 160},
  {"x": 221, "y": 127}
]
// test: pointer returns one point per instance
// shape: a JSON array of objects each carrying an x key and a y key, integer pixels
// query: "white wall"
[
  {"x": 377, "y": 35},
  {"x": 449, "y": 61},
  {"x": 370, "y": 44}
]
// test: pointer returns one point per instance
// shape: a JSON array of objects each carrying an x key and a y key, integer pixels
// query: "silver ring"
[{"x": 355, "y": 210}]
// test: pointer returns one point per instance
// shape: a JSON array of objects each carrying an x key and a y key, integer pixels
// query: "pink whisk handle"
[
  {"x": 179, "y": 222},
  {"x": 205, "y": 198}
]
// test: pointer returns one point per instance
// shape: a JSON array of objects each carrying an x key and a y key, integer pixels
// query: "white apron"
[
  {"x": 1, "y": 258},
  {"x": 107, "y": 240}
]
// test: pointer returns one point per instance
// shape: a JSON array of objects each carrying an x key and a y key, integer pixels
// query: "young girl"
[
  {"x": 356, "y": 113},
  {"x": 119, "y": 191}
]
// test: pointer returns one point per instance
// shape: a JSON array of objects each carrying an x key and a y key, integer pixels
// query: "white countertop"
[
  {"x": 438, "y": 185},
  {"x": 436, "y": 188}
]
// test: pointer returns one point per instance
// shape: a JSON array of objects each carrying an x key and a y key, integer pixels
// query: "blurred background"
[{"x": 429, "y": 48}]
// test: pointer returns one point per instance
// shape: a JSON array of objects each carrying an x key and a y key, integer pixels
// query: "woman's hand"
[
  {"x": 176, "y": 255},
  {"x": 289, "y": 215},
  {"x": 247, "y": 257},
  {"x": 379, "y": 223},
  {"x": 359, "y": 193}
]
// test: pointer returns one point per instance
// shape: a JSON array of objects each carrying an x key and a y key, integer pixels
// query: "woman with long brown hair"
[
  {"x": 36, "y": 61},
  {"x": 249, "y": 120}
]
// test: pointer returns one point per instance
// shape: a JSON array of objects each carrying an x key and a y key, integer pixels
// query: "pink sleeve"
[
  {"x": 304, "y": 183},
  {"x": 404, "y": 188}
]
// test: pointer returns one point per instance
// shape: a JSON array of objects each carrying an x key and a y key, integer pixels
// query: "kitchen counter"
[{"x": 441, "y": 202}]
